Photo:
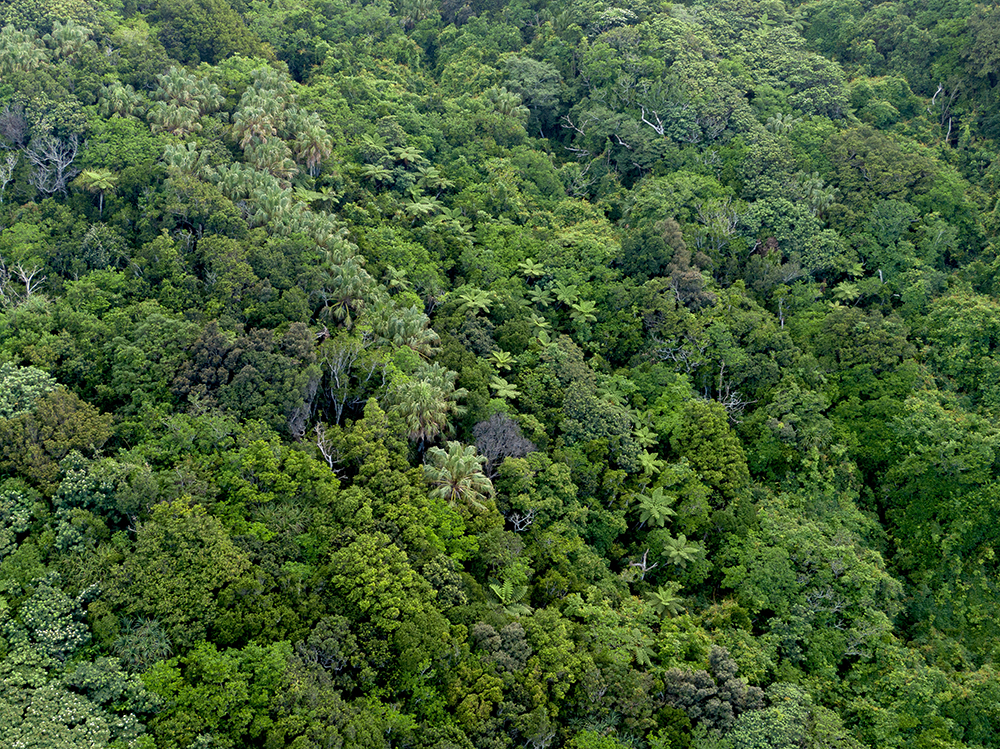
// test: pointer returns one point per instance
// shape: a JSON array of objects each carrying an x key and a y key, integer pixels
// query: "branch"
[{"x": 659, "y": 127}]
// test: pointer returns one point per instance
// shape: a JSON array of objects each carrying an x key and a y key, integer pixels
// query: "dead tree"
[
  {"x": 52, "y": 159},
  {"x": 18, "y": 283}
]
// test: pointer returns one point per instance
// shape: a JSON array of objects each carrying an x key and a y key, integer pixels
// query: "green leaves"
[
  {"x": 504, "y": 389},
  {"x": 475, "y": 301},
  {"x": 509, "y": 595},
  {"x": 665, "y": 600},
  {"x": 680, "y": 551},
  {"x": 655, "y": 508},
  {"x": 183, "y": 564},
  {"x": 373, "y": 576},
  {"x": 427, "y": 400},
  {"x": 456, "y": 475},
  {"x": 20, "y": 387},
  {"x": 583, "y": 312}
]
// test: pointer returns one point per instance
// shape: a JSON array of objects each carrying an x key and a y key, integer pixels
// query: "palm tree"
[
  {"x": 408, "y": 155},
  {"x": 655, "y": 507},
  {"x": 504, "y": 389},
  {"x": 68, "y": 39},
  {"x": 186, "y": 158},
  {"x": 665, "y": 600},
  {"x": 376, "y": 173},
  {"x": 680, "y": 551},
  {"x": 426, "y": 400},
  {"x": 651, "y": 463},
  {"x": 583, "y": 312},
  {"x": 510, "y": 596},
  {"x": 313, "y": 144},
  {"x": 274, "y": 157},
  {"x": 413, "y": 11},
  {"x": 476, "y": 301},
  {"x": 502, "y": 359},
  {"x": 19, "y": 51},
  {"x": 432, "y": 177},
  {"x": 347, "y": 287},
  {"x": 178, "y": 87},
  {"x": 174, "y": 118},
  {"x": 531, "y": 269},
  {"x": 117, "y": 100},
  {"x": 507, "y": 103},
  {"x": 253, "y": 123},
  {"x": 566, "y": 293},
  {"x": 407, "y": 327},
  {"x": 540, "y": 324},
  {"x": 540, "y": 296},
  {"x": 100, "y": 181},
  {"x": 456, "y": 475},
  {"x": 645, "y": 436},
  {"x": 782, "y": 124}
]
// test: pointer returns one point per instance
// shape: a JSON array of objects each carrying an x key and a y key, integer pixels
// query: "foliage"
[{"x": 485, "y": 374}]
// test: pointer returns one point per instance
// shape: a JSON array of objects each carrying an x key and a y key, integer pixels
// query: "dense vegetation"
[{"x": 471, "y": 374}]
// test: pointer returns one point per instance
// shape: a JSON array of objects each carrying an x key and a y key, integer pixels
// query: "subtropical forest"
[{"x": 472, "y": 374}]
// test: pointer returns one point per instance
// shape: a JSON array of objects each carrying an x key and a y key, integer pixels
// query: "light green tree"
[
  {"x": 100, "y": 181},
  {"x": 456, "y": 475}
]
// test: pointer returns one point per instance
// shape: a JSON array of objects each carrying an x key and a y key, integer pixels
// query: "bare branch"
[
  {"x": 53, "y": 163},
  {"x": 326, "y": 448},
  {"x": 659, "y": 127},
  {"x": 18, "y": 283},
  {"x": 7, "y": 172},
  {"x": 643, "y": 565},
  {"x": 521, "y": 522}
]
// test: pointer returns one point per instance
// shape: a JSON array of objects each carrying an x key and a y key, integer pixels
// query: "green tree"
[
  {"x": 712, "y": 450},
  {"x": 100, "y": 181},
  {"x": 20, "y": 387},
  {"x": 183, "y": 571},
  {"x": 456, "y": 475},
  {"x": 204, "y": 30},
  {"x": 426, "y": 401},
  {"x": 33, "y": 442},
  {"x": 373, "y": 576}
]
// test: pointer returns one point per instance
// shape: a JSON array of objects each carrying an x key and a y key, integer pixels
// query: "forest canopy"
[{"x": 477, "y": 374}]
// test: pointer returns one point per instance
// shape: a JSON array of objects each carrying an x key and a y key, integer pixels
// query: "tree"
[
  {"x": 217, "y": 697},
  {"x": 118, "y": 100},
  {"x": 312, "y": 143},
  {"x": 68, "y": 40},
  {"x": 713, "y": 451},
  {"x": 655, "y": 507},
  {"x": 52, "y": 161},
  {"x": 665, "y": 599},
  {"x": 499, "y": 438},
  {"x": 427, "y": 400},
  {"x": 273, "y": 155},
  {"x": 205, "y": 30},
  {"x": 20, "y": 51},
  {"x": 7, "y": 171},
  {"x": 373, "y": 576},
  {"x": 456, "y": 475},
  {"x": 20, "y": 387},
  {"x": 714, "y": 698},
  {"x": 33, "y": 442},
  {"x": 100, "y": 181},
  {"x": 347, "y": 286},
  {"x": 680, "y": 551},
  {"x": 182, "y": 571}
]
